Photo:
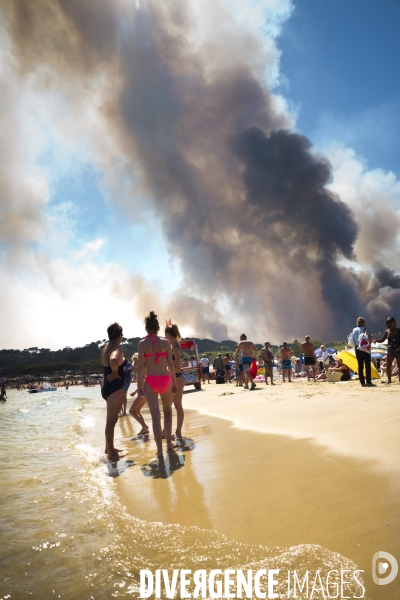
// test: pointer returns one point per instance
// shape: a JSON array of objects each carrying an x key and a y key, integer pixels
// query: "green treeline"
[{"x": 86, "y": 359}]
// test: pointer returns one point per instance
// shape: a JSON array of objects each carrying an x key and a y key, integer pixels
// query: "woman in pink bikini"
[{"x": 157, "y": 353}]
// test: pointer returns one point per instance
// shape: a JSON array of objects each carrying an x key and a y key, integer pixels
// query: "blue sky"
[{"x": 341, "y": 61}]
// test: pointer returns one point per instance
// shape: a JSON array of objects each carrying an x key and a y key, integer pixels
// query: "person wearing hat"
[{"x": 205, "y": 368}]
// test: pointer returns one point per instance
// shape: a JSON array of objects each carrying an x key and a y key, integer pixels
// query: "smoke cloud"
[{"x": 248, "y": 208}]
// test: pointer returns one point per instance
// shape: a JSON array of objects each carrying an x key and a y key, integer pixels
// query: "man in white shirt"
[
  {"x": 324, "y": 358},
  {"x": 205, "y": 368}
]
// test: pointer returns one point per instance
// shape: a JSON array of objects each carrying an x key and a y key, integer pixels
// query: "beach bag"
[
  {"x": 363, "y": 342},
  {"x": 253, "y": 368},
  {"x": 350, "y": 339}
]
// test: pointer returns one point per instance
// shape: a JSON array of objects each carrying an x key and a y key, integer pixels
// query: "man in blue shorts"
[
  {"x": 249, "y": 352},
  {"x": 286, "y": 355}
]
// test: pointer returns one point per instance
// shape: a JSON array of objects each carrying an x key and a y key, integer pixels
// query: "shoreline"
[{"x": 342, "y": 417}]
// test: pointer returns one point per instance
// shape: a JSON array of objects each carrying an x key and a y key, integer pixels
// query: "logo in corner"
[{"x": 383, "y": 562}]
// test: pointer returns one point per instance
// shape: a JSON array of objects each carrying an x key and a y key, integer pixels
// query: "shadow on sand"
[{"x": 163, "y": 468}]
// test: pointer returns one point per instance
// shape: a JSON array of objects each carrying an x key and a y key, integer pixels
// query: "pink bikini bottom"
[{"x": 159, "y": 383}]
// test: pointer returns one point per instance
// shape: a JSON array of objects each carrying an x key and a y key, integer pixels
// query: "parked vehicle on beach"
[{"x": 192, "y": 373}]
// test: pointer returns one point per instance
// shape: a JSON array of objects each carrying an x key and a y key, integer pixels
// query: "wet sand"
[{"x": 294, "y": 464}]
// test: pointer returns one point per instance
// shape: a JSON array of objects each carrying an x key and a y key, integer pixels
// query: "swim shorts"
[
  {"x": 287, "y": 364},
  {"x": 205, "y": 370},
  {"x": 247, "y": 360},
  {"x": 393, "y": 353},
  {"x": 309, "y": 360},
  {"x": 268, "y": 364},
  {"x": 227, "y": 367}
]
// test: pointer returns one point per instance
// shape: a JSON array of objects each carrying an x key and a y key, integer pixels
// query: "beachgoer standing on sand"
[
  {"x": 116, "y": 371},
  {"x": 309, "y": 357},
  {"x": 249, "y": 352},
  {"x": 219, "y": 367},
  {"x": 173, "y": 336},
  {"x": 286, "y": 354},
  {"x": 392, "y": 334},
  {"x": 3, "y": 394},
  {"x": 160, "y": 370},
  {"x": 268, "y": 358},
  {"x": 361, "y": 337},
  {"x": 205, "y": 368},
  {"x": 227, "y": 365}
]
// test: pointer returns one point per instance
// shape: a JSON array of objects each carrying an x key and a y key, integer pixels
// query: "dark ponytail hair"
[
  {"x": 151, "y": 322},
  {"x": 173, "y": 331}
]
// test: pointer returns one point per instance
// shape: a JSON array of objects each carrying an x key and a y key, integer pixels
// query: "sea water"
[{"x": 65, "y": 533}]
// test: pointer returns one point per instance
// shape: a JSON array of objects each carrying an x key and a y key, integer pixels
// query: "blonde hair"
[
  {"x": 151, "y": 322},
  {"x": 173, "y": 331}
]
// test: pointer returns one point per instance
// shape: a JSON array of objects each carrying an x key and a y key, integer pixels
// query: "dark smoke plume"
[{"x": 243, "y": 200}]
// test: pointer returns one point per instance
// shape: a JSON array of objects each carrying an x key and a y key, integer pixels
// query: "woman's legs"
[
  {"x": 135, "y": 409},
  {"x": 367, "y": 360},
  {"x": 114, "y": 403},
  {"x": 398, "y": 365},
  {"x": 360, "y": 361},
  {"x": 389, "y": 363},
  {"x": 177, "y": 400},
  {"x": 167, "y": 410},
  {"x": 125, "y": 403},
  {"x": 152, "y": 401}
]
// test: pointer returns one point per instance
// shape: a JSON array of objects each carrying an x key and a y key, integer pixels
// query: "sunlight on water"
[{"x": 65, "y": 533}]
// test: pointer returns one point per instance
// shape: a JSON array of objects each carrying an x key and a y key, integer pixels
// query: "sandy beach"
[{"x": 293, "y": 464}]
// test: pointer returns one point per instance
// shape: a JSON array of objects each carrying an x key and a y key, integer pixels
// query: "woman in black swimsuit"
[
  {"x": 173, "y": 336},
  {"x": 113, "y": 363},
  {"x": 392, "y": 335}
]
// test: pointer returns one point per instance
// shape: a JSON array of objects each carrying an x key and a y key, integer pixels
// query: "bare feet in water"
[{"x": 116, "y": 455}]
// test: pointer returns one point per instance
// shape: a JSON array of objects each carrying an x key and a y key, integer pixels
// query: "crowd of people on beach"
[{"x": 157, "y": 370}]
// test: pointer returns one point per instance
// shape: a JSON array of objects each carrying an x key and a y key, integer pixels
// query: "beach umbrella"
[
  {"x": 350, "y": 360},
  {"x": 379, "y": 347}
]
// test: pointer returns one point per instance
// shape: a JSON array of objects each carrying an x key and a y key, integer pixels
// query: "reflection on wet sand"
[
  {"x": 169, "y": 506},
  {"x": 265, "y": 489}
]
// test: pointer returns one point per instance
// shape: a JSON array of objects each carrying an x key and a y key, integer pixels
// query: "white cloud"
[
  {"x": 90, "y": 248},
  {"x": 72, "y": 307},
  {"x": 374, "y": 197}
]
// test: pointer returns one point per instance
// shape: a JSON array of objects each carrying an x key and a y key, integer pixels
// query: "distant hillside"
[{"x": 85, "y": 359}]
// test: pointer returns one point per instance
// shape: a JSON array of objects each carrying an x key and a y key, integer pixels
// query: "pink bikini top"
[{"x": 156, "y": 354}]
